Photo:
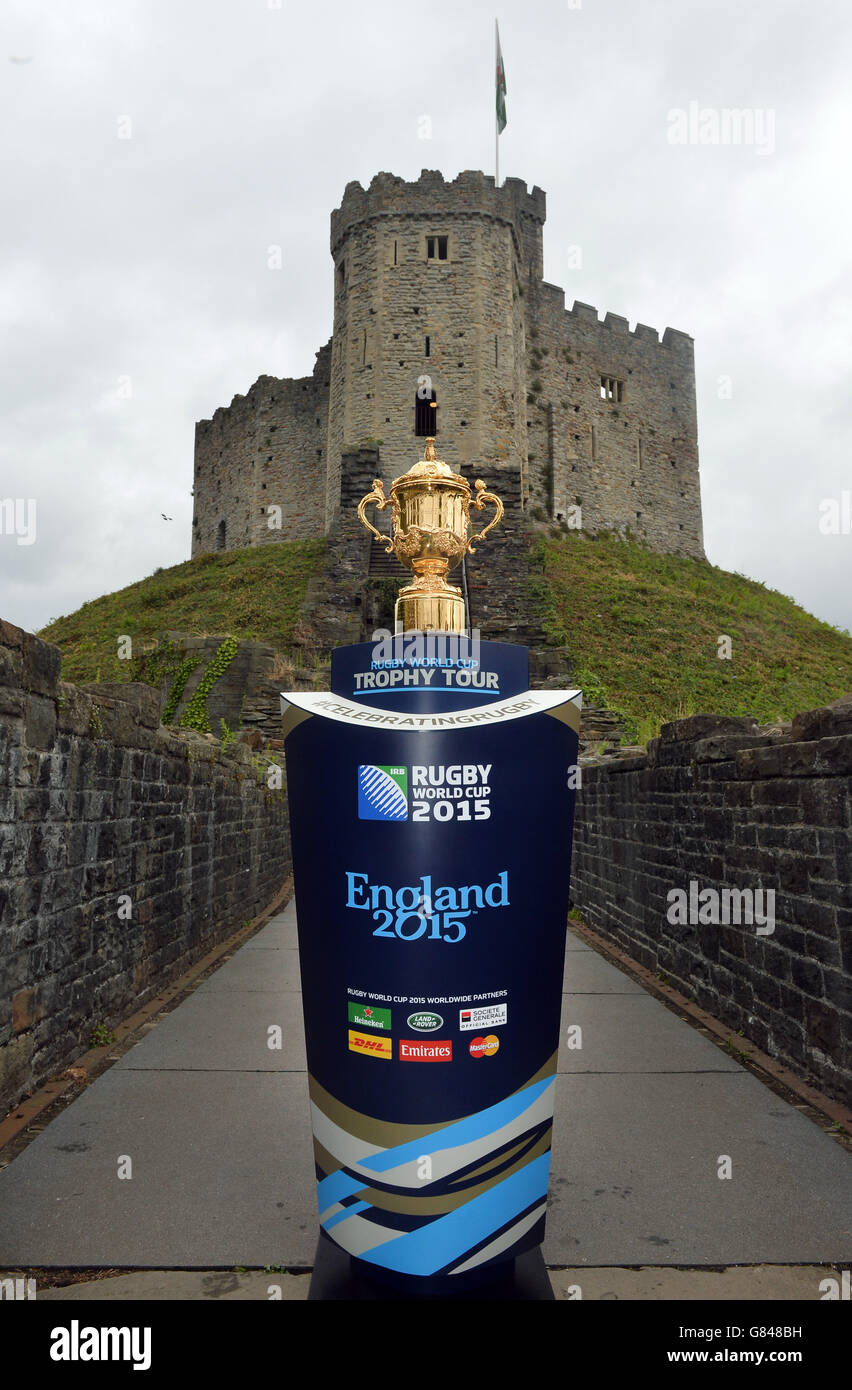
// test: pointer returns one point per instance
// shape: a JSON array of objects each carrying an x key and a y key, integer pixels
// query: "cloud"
[{"x": 141, "y": 262}]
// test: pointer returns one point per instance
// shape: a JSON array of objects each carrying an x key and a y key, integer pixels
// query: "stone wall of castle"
[
  {"x": 588, "y": 414},
  {"x": 629, "y": 461},
  {"x": 265, "y": 451},
  {"x": 127, "y": 851}
]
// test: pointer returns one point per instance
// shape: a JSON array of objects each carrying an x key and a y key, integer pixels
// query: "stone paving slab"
[
  {"x": 633, "y": 1032},
  {"x": 576, "y": 943},
  {"x": 264, "y": 971},
  {"x": 233, "y": 1037},
  {"x": 222, "y": 1175},
  {"x": 155, "y": 1285},
  {"x": 740, "y": 1283},
  {"x": 280, "y": 932},
  {"x": 588, "y": 973},
  {"x": 217, "y": 1127},
  {"x": 634, "y": 1177}
]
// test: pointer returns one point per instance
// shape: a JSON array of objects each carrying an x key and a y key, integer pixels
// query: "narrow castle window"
[
  {"x": 612, "y": 389},
  {"x": 428, "y": 349},
  {"x": 221, "y": 535},
  {"x": 594, "y": 442},
  {"x": 395, "y": 248},
  {"x": 364, "y": 349},
  {"x": 426, "y": 414},
  {"x": 341, "y": 275},
  {"x": 495, "y": 351},
  {"x": 436, "y": 248}
]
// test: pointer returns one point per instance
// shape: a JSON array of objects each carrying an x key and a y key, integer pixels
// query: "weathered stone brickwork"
[
  {"x": 97, "y": 801},
  {"x": 266, "y": 450},
  {"x": 518, "y": 379},
  {"x": 721, "y": 803},
  {"x": 630, "y": 462}
]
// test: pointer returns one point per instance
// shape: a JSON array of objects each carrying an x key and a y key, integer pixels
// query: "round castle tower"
[{"x": 429, "y": 284}]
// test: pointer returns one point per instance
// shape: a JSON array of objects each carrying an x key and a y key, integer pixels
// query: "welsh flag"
[{"x": 501, "y": 84}]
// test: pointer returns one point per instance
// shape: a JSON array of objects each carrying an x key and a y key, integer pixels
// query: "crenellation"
[
  {"x": 441, "y": 281},
  {"x": 650, "y": 335}
]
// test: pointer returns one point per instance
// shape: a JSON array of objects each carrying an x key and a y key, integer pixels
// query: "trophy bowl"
[{"x": 431, "y": 534}]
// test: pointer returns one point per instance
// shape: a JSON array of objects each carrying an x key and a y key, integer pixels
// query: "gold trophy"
[{"x": 430, "y": 518}]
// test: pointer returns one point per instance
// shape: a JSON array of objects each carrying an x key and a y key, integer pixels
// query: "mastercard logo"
[{"x": 484, "y": 1047}]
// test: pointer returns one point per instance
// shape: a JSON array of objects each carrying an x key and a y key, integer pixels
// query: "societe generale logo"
[{"x": 435, "y": 1050}]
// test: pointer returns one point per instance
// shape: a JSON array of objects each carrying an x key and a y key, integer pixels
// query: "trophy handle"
[
  {"x": 479, "y": 502},
  {"x": 378, "y": 496}
]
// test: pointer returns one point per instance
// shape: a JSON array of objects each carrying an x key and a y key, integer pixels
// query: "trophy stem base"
[{"x": 440, "y": 610}]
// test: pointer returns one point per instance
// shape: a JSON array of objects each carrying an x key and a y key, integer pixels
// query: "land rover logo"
[{"x": 425, "y": 1022}]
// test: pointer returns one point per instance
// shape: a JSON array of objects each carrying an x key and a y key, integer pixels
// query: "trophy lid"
[{"x": 430, "y": 466}]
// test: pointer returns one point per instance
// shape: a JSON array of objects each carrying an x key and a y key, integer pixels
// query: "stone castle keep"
[{"x": 439, "y": 297}]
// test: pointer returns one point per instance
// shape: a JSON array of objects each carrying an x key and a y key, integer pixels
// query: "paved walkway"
[{"x": 217, "y": 1128}]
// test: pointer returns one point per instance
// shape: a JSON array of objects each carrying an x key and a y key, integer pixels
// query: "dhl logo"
[{"x": 371, "y": 1044}]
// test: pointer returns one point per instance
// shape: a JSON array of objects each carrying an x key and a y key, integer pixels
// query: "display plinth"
[{"x": 431, "y": 806}]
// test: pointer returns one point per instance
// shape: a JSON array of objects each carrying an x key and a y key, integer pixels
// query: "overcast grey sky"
[{"x": 135, "y": 296}]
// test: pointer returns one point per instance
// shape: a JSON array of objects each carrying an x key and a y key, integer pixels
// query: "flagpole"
[{"x": 496, "y": 122}]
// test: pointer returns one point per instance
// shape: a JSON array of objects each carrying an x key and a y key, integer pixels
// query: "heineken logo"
[{"x": 369, "y": 1016}]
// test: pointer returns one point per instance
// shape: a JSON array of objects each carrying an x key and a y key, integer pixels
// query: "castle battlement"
[
  {"x": 471, "y": 193},
  {"x": 587, "y": 421},
  {"x": 587, "y": 313}
]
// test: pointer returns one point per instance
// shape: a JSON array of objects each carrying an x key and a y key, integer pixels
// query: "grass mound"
[
  {"x": 645, "y": 632},
  {"x": 253, "y": 594}
]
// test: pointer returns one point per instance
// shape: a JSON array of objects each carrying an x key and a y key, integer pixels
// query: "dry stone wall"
[
  {"x": 719, "y": 803},
  {"x": 104, "y": 813}
]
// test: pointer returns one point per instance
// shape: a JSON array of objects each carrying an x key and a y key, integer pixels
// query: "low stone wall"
[
  {"x": 126, "y": 852},
  {"x": 721, "y": 804}
]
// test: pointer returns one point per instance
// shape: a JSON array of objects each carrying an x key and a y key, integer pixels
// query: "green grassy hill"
[
  {"x": 254, "y": 594},
  {"x": 645, "y": 630}
]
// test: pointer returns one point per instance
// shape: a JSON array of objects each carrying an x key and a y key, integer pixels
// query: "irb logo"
[{"x": 382, "y": 793}]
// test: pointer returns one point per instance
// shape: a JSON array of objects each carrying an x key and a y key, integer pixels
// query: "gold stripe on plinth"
[
  {"x": 292, "y": 717},
  {"x": 569, "y": 714}
]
